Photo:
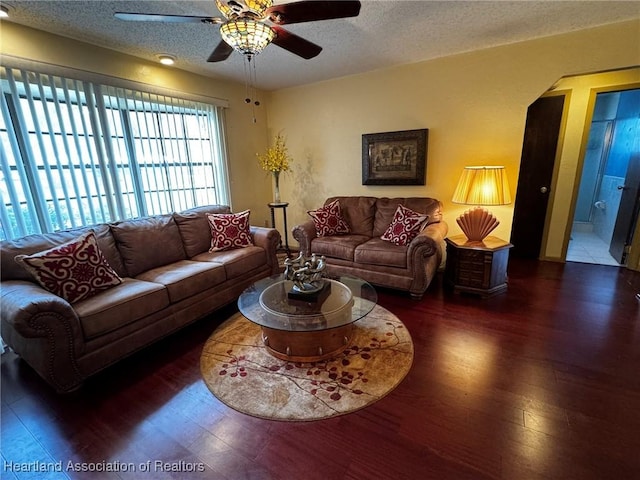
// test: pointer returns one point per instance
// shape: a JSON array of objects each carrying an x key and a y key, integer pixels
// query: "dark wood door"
[
  {"x": 628, "y": 210},
  {"x": 626, "y": 142},
  {"x": 539, "y": 147}
]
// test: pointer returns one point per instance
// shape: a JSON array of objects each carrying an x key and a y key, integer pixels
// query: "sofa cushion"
[
  {"x": 229, "y": 230},
  {"x": 119, "y": 306},
  {"x": 328, "y": 220},
  {"x": 194, "y": 228},
  {"x": 386, "y": 208},
  {"x": 426, "y": 205},
  {"x": 404, "y": 227},
  {"x": 236, "y": 262},
  {"x": 358, "y": 212},
  {"x": 148, "y": 242},
  {"x": 185, "y": 278},
  {"x": 74, "y": 270},
  {"x": 339, "y": 246},
  {"x": 380, "y": 252},
  {"x": 10, "y": 270}
]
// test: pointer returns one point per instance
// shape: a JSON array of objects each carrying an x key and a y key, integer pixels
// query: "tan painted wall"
[
  {"x": 250, "y": 188},
  {"x": 473, "y": 104},
  {"x": 581, "y": 91}
]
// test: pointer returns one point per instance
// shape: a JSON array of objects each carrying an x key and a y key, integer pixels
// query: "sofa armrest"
[
  {"x": 44, "y": 330},
  {"x": 430, "y": 241},
  {"x": 269, "y": 239},
  {"x": 304, "y": 233},
  {"x": 24, "y": 301},
  {"x": 425, "y": 255}
]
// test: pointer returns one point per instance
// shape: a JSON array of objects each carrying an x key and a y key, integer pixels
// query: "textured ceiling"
[{"x": 385, "y": 33}]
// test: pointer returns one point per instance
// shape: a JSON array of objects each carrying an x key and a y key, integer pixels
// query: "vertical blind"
[{"x": 76, "y": 153}]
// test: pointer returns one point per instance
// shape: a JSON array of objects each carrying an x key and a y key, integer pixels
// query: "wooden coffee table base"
[{"x": 310, "y": 346}]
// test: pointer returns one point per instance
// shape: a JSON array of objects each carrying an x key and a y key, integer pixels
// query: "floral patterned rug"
[{"x": 242, "y": 374}]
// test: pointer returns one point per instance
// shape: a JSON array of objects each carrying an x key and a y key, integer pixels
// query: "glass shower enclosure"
[{"x": 614, "y": 140}]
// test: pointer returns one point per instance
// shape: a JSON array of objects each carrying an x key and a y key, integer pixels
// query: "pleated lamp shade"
[{"x": 481, "y": 186}]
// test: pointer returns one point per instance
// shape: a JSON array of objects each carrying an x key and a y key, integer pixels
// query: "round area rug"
[{"x": 241, "y": 373}]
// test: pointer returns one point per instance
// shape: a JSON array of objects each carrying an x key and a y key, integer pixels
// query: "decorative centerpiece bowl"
[{"x": 307, "y": 274}]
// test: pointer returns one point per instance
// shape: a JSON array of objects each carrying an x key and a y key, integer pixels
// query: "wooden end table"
[{"x": 477, "y": 267}]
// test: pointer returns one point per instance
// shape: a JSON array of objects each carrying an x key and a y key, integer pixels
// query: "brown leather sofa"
[
  {"x": 170, "y": 280},
  {"x": 362, "y": 253}
]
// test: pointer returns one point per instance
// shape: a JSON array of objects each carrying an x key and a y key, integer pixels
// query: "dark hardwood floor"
[{"x": 540, "y": 382}]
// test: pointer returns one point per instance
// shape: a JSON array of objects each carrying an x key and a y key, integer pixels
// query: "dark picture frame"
[{"x": 395, "y": 158}]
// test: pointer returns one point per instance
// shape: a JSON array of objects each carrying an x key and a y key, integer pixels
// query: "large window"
[{"x": 76, "y": 153}]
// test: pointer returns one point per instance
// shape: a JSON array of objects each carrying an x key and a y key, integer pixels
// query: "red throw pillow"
[
  {"x": 405, "y": 226},
  {"x": 75, "y": 270},
  {"x": 328, "y": 220},
  {"x": 229, "y": 230}
]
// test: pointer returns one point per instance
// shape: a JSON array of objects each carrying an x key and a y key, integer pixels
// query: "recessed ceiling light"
[
  {"x": 167, "y": 59},
  {"x": 4, "y": 11}
]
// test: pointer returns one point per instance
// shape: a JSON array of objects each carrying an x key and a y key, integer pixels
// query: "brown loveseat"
[
  {"x": 362, "y": 253},
  {"x": 170, "y": 280}
]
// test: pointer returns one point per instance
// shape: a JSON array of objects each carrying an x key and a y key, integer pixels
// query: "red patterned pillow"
[
  {"x": 229, "y": 230},
  {"x": 328, "y": 220},
  {"x": 75, "y": 270},
  {"x": 405, "y": 226}
]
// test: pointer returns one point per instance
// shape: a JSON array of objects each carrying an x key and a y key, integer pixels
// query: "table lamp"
[{"x": 481, "y": 186}]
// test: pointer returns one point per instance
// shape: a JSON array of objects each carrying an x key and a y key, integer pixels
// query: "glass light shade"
[
  {"x": 483, "y": 186},
  {"x": 257, "y": 7},
  {"x": 246, "y": 35}
]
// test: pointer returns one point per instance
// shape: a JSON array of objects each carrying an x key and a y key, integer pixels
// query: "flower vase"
[{"x": 276, "y": 177}]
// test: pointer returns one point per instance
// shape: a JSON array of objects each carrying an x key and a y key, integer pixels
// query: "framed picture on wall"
[{"x": 395, "y": 158}]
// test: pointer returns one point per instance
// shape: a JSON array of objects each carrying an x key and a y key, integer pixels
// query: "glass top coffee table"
[{"x": 303, "y": 327}]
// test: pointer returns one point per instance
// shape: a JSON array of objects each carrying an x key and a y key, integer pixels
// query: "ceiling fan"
[{"x": 249, "y": 26}]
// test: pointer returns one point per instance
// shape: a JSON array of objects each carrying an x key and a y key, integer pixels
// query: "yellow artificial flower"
[{"x": 276, "y": 159}]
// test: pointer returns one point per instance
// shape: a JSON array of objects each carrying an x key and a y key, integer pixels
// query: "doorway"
[{"x": 607, "y": 204}]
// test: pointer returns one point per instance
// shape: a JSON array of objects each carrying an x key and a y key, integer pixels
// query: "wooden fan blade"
[
  {"x": 311, "y": 10},
  {"x": 222, "y": 52},
  {"x": 156, "y": 17},
  {"x": 295, "y": 44}
]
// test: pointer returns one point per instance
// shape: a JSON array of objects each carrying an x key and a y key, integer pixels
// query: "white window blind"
[{"x": 76, "y": 153}]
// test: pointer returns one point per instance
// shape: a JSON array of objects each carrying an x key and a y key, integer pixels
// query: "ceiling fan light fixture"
[
  {"x": 234, "y": 8},
  {"x": 247, "y": 35},
  {"x": 166, "y": 59}
]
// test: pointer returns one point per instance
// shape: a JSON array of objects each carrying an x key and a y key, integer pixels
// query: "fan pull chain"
[
  {"x": 254, "y": 82},
  {"x": 247, "y": 77},
  {"x": 250, "y": 81}
]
